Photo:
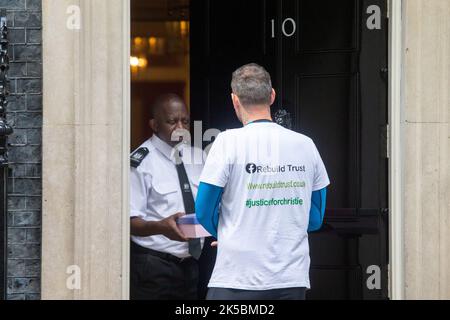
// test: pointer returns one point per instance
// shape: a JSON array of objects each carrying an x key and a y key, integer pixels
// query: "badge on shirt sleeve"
[{"x": 137, "y": 157}]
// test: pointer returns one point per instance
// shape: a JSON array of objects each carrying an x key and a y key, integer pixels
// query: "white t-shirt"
[{"x": 268, "y": 174}]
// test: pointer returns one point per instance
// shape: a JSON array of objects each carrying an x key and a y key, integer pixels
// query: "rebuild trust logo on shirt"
[{"x": 253, "y": 168}]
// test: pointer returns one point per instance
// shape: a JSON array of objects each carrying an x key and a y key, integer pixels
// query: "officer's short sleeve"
[
  {"x": 321, "y": 179},
  {"x": 139, "y": 186},
  {"x": 217, "y": 165}
]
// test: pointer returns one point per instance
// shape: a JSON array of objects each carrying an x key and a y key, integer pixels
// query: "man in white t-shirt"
[{"x": 262, "y": 189}]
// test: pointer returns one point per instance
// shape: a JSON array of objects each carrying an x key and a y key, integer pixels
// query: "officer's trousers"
[{"x": 162, "y": 278}]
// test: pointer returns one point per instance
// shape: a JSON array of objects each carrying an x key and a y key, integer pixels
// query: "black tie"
[{"x": 195, "y": 248}]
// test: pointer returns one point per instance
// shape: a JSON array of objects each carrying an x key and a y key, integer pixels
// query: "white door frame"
[
  {"x": 126, "y": 140},
  {"x": 396, "y": 236}
]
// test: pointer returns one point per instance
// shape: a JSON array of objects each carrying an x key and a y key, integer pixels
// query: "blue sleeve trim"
[
  {"x": 207, "y": 206},
  {"x": 317, "y": 212}
]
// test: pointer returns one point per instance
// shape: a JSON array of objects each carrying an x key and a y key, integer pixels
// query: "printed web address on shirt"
[
  {"x": 250, "y": 203},
  {"x": 276, "y": 185}
]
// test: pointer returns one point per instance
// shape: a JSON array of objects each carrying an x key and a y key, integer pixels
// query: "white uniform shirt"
[
  {"x": 155, "y": 191},
  {"x": 268, "y": 174}
]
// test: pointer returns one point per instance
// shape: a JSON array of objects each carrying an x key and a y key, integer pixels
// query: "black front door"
[{"x": 328, "y": 64}]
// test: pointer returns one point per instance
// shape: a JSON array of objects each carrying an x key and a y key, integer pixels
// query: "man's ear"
[
  {"x": 152, "y": 124},
  {"x": 273, "y": 96},
  {"x": 234, "y": 100},
  {"x": 236, "y": 103},
  {"x": 237, "y": 106}
]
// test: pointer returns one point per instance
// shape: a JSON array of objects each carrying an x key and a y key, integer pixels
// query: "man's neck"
[
  {"x": 258, "y": 115},
  {"x": 170, "y": 144}
]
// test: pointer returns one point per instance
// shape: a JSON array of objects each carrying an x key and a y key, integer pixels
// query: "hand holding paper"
[{"x": 191, "y": 227}]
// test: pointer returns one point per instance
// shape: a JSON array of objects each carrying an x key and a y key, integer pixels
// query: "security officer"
[
  {"x": 271, "y": 184},
  {"x": 164, "y": 181}
]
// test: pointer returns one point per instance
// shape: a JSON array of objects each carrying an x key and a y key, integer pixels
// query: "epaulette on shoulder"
[{"x": 137, "y": 157}]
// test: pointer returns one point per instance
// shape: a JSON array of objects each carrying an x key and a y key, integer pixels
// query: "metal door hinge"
[
  {"x": 385, "y": 143},
  {"x": 384, "y": 72},
  {"x": 388, "y": 8},
  {"x": 388, "y": 141}
]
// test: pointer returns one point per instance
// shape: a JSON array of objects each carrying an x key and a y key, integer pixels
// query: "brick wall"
[{"x": 25, "y": 115}]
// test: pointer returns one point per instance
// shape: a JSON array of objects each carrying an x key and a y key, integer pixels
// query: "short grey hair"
[{"x": 252, "y": 84}]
